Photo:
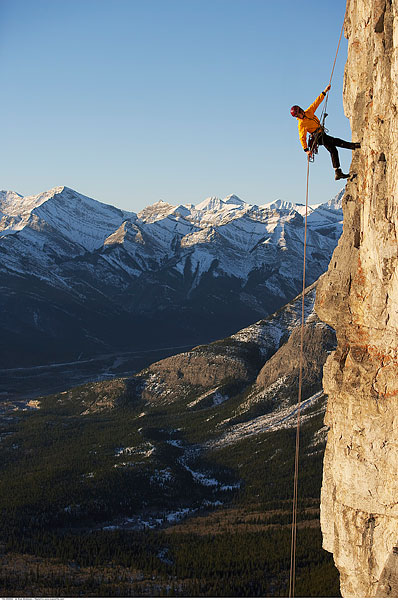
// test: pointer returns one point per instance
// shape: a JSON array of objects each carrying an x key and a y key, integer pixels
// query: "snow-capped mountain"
[{"x": 82, "y": 276}]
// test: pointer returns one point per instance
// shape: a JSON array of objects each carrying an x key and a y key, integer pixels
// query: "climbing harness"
[
  {"x": 300, "y": 383},
  {"x": 313, "y": 141}
]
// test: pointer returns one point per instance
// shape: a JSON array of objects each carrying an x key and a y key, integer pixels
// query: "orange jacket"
[{"x": 309, "y": 123}]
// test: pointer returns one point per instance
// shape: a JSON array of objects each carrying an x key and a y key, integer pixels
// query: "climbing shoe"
[
  {"x": 356, "y": 145},
  {"x": 340, "y": 175}
]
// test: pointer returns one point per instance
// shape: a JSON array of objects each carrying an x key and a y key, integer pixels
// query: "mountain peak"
[
  {"x": 335, "y": 203},
  {"x": 8, "y": 199},
  {"x": 155, "y": 212},
  {"x": 59, "y": 189},
  {"x": 215, "y": 204},
  {"x": 233, "y": 199},
  {"x": 210, "y": 203},
  {"x": 281, "y": 205},
  {"x": 81, "y": 220}
]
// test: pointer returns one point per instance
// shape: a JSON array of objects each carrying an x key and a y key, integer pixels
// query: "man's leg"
[
  {"x": 343, "y": 144},
  {"x": 330, "y": 144}
]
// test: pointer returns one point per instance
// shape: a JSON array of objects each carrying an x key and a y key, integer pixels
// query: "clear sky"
[{"x": 132, "y": 101}]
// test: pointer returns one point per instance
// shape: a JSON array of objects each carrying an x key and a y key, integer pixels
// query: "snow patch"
[{"x": 279, "y": 419}]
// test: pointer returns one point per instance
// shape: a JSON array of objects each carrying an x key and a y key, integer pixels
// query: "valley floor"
[
  {"x": 176, "y": 481},
  {"x": 231, "y": 552},
  {"x": 20, "y": 383},
  {"x": 239, "y": 549}
]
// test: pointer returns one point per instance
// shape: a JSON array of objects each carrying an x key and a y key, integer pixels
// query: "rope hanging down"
[
  {"x": 324, "y": 113},
  {"x": 314, "y": 140},
  {"x": 296, "y": 460}
]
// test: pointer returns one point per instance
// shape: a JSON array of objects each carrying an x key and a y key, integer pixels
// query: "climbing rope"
[
  {"x": 296, "y": 460},
  {"x": 314, "y": 138},
  {"x": 324, "y": 113},
  {"x": 292, "y": 577}
]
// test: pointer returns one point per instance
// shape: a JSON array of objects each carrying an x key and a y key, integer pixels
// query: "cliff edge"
[{"x": 359, "y": 298}]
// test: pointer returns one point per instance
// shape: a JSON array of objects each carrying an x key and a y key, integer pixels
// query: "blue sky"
[{"x": 132, "y": 101}]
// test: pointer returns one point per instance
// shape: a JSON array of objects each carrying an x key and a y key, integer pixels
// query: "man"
[{"x": 309, "y": 123}]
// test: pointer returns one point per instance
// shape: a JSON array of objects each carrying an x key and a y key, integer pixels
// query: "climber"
[{"x": 309, "y": 123}]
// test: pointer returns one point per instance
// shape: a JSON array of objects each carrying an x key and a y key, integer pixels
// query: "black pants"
[{"x": 330, "y": 144}]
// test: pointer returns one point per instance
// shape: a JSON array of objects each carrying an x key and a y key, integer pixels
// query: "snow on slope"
[
  {"x": 227, "y": 236},
  {"x": 334, "y": 203},
  {"x": 214, "y": 211},
  {"x": 284, "y": 417},
  {"x": 8, "y": 200},
  {"x": 79, "y": 219},
  {"x": 285, "y": 205},
  {"x": 268, "y": 333}
]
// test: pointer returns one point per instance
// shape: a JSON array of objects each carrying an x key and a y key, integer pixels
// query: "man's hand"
[
  {"x": 327, "y": 88},
  {"x": 308, "y": 153}
]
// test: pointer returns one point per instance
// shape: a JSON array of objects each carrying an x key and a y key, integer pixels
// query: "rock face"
[
  {"x": 212, "y": 366},
  {"x": 358, "y": 297},
  {"x": 318, "y": 341}
]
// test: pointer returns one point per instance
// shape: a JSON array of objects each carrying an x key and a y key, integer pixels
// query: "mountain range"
[{"x": 80, "y": 278}]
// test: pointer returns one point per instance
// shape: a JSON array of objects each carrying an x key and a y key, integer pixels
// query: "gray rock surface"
[
  {"x": 358, "y": 297},
  {"x": 318, "y": 340}
]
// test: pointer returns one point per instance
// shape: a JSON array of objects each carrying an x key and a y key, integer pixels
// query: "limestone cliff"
[{"x": 359, "y": 298}]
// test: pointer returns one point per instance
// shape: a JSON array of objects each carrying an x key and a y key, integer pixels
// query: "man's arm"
[
  {"x": 314, "y": 105},
  {"x": 312, "y": 108},
  {"x": 303, "y": 136}
]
